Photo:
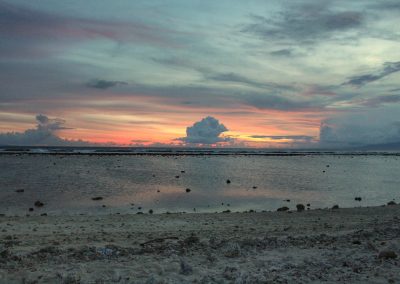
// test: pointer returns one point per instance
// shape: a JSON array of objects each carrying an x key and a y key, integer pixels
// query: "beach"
[{"x": 349, "y": 245}]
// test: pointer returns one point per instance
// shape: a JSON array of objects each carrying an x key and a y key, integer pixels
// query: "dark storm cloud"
[
  {"x": 104, "y": 84},
  {"x": 44, "y": 134},
  {"x": 387, "y": 69},
  {"x": 27, "y": 33},
  {"x": 206, "y": 131},
  {"x": 305, "y": 23},
  {"x": 282, "y": 137}
]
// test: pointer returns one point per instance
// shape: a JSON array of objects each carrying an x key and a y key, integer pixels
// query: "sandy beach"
[{"x": 358, "y": 245}]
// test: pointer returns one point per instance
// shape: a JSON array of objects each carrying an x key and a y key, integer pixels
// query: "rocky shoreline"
[{"x": 343, "y": 245}]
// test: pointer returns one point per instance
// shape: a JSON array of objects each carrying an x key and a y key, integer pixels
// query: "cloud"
[
  {"x": 45, "y": 134},
  {"x": 28, "y": 32},
  {"x": 387, "y": 69},
  {"x": 284, "y": 137},
  {"x": 206, "y": 131},
  {"x": 361, "y": 128},
  {"x": 104, "y": 84},
  {"x": 378, "y": 101},
  {"x": 305, "y": 23}
]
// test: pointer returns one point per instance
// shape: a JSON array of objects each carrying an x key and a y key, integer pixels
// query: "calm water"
[{"x": 66, "y": 183}]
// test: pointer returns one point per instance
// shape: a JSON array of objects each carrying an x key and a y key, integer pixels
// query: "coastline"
[{"x": 343, "y": 245}]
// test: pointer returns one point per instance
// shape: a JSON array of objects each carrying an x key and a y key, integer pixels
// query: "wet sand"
[{"x": 358, "y": 245}]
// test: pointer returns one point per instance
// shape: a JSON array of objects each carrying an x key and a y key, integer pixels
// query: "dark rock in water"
[
  {"x": 188, "y": 190},
  {"x": 300, "y": 207},
  {"x": 391, "y": 203},
  {"x": 323, "y": 171},
  {"x": 182, "y": 172},
  {"x": 284, "y": 208},
  {"x": 356, "y": 242},
  {"x": 335, "y": 207},
  {"x": 158, "y": 190},
  {"x": 308, "y": 204},
  {"x": 186, "y": 268},
  {"x": 176, "y": 176},
  {"x": 39, "y": 204},
  {"x": 387, "y": 254},
  {"x": 151, "y": 211},
  {"x": 228, "y": 181},
  {"x": 97, "y": 198},
  {"x": 103, "y": 206},
  {"x": 254, "y": 187},
  {"x": 30, "y": 209},
  {"x": 139, "y": 213},
  {"x": 19, "y": 190},
  {"x": 43, "y": 214},
  {"x": 357, "y": 198},
  {"x": 226, "y": 211},
  {"x": 327, "y": 166},
  {"x": 139, "y": 208},
  {"x": 287, "y": 200}
]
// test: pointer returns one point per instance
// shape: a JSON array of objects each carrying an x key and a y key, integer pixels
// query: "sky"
[{"x": 200, "y": 73}]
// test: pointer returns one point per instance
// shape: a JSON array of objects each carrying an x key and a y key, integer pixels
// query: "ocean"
[{"x": 190, "y": 180}]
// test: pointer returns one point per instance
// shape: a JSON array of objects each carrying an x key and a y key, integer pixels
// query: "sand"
[{"x": 357, "y": 245}]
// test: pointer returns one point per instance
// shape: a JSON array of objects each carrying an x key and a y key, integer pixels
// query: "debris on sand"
[
  {"x": 186, "y": 268},
  {"x": 387, "y": 254},
  {"x": 97, "y": 198}
]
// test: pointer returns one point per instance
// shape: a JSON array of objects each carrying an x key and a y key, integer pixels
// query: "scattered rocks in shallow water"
[
  {"x": 39, "y": 204},
  {"x": 19, "y": 190},
  {"x": 358, "y": 199},
  {"x": 300, "y": 207},
  {"x": 97, "y": 198},
  {"x": 335, "y": 207},
  {"x": 186, "y": 268},
  {"x": 387, "y": 254},
  {"x": 188, "y": 190},
  {"x": 284, "y": 208},
  {"x": 391, "y": 203}
]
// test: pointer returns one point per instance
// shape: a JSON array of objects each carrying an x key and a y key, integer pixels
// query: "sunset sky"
[{"x": 248, "y": 73}]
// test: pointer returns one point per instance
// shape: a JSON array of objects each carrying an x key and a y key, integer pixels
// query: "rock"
[
  {"x": 192, "y": 239},
  {"x": 19, "y": 190},
  {"x": 254, "y": 187},
  {"x": 176, "y": 176},
  {"x": 287, "y": 200},
  {"x": 151, "y": 211},
  {"x": 232, "y": 250},
  {"x": 358, "y": 199},
  {"x": 43, "y": 214},
  {"x": 182, "y": 172},
  {"x": 284, "y": 208},
  {"x": 186, "y": 268},
  {"x": 391, "y": 203},
  {"x": 226, "y": 211},
  {"x": 139, "y": 213},
  {"x": 308, "y": 204},
  {"x": 38, "y": 204},
  {"x": 97, "y": 198},
  {"x": 300, "y": 207},
  {"x": 387, "y": 254},
  {"x": 188, "y": 190},
  {"x": 30, "y": 209},
  {"x": 335, "y": 207},
  {"x": 228, "y": 181}
]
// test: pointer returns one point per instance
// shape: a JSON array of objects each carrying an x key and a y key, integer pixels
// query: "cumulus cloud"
[
  {"x": 387, "y": 69},
  {"x": 45, "y": 134},
  {"x": 104, "y": 84},
  {"x": 361, "y": 129},
  {"x": 206, "y": 131}
]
